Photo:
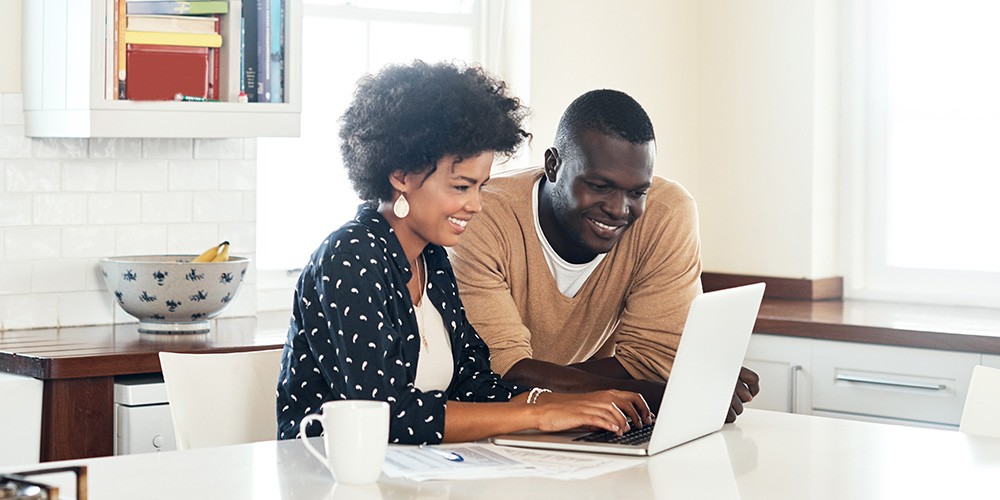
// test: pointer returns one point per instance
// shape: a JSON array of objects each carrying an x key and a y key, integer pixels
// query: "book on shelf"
[
  {"x": 160, "y": 72},
  {"x": 277, "y": 51},
  {"x": 248, "y": 51},
  {"x": 263, "y": 50},
  {"x": 191, "y": 7},
  {"x": 173, "y": 24},
  {"x": 167, "y": 38}
]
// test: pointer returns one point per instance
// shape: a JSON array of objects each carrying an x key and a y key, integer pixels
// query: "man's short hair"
[{"x": 610, "y": 112}]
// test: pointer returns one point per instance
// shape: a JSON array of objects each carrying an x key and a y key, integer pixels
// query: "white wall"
[
  {"x": 10, "y": 40},
  {"x": 743, "y": 98},
  {"x": 65, "y": 203}
]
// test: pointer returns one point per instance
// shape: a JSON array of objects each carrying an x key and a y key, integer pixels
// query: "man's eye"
[
  {"x": 638, "y": 194},
  {"x": 600, "y": 188}
]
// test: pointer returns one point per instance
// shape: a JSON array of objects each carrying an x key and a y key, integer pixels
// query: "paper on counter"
[{"x": 486, "y": 461}]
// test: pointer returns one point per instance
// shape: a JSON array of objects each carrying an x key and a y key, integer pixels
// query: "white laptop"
[{"x": 700, "y": 388}]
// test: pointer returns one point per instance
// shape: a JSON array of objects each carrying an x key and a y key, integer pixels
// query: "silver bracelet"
[{"x": 533, "y": 395}]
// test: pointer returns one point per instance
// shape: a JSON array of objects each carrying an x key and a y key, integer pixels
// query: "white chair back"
[
  {"x": 221, "y": 399},
  {"x": 981, "y": 415}
]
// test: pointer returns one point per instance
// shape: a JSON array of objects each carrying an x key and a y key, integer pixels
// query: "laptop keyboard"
[{"x": 633, "y": 437}]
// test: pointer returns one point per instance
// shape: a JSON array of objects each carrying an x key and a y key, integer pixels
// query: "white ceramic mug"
[{"x": 356, "y": 435}]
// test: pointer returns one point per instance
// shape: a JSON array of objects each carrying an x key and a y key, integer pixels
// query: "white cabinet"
[
  {"x": 64, "y": 71},
  {"x": 907, "y": 384},
  {"x": 869, "y": 382},
  {"x": 784, "y": 367},
  {"x": 20, "y": 419},
  {"x": 992, "y": 360}
]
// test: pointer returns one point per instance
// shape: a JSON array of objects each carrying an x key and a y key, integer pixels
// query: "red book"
[{"x": 160, "y": 72}]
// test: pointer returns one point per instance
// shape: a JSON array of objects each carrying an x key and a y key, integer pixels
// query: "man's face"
[{"x": 597, "y": 193}]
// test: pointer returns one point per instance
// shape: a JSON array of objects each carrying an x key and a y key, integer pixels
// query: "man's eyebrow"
[{"x": 605, "y": 180}]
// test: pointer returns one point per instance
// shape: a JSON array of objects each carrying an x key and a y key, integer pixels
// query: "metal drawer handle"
[
  {"x": 793, "y": 383},
  {"x": 891, "y": 383}
]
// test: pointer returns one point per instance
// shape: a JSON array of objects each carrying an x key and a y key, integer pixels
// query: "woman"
[{"x": 376, "y": 313}]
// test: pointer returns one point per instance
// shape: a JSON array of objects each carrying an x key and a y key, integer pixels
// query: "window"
[
  {"x": 932, "y": 164},
  {"x": 302, "y": 189}
]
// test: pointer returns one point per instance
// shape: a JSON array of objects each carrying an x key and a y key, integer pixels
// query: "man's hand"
[{"x": 747, "y": 387}]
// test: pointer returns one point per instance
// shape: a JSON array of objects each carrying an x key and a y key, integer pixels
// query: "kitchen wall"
[
  {"x": 65, "y": 203},
  {"x": 742, "y": 95}
]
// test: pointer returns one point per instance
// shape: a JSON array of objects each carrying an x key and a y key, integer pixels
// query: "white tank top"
[{"x": 435, "y": 365}]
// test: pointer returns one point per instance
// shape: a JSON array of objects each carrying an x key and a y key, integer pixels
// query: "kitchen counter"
[
  {"x": 764, "y": 455},
  {"x": 949, "y": 328},
  {"x": 78, "y": 365}
]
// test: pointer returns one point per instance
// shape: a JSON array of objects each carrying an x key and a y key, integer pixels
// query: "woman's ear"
[{"x": 399, "y": 181}]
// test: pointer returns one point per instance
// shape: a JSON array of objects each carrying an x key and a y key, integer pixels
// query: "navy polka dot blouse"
[{"x": 353, "y": 335}]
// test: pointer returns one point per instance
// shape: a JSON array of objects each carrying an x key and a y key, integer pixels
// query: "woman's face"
[{"x": 442, "y": 203}]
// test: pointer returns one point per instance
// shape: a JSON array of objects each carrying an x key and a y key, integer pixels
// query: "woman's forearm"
[{"x": 475, "y": 421}]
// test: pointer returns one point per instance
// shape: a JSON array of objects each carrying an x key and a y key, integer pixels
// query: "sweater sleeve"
[
  {"x": 667, "y": 280},
  {"x": 481, "y": 262},
  {"x": 354, "y": 351}
]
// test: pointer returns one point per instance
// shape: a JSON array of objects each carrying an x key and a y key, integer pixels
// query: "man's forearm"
[{"x": 584, "y": 377}]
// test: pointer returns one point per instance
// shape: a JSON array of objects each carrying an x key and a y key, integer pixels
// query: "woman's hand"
[{"x": 599, "y": 409}]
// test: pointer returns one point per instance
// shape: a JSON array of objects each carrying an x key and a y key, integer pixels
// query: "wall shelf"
[{"x": 64, "y": 72}]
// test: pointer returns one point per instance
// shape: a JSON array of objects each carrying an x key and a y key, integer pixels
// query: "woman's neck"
[{"x": 413, "y": 245}]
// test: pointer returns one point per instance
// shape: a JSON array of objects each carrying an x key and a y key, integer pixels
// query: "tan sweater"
[{"x": 632, "y": 306}]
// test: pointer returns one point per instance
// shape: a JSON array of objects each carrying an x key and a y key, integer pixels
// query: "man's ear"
[{"x": 552, "y": 164}]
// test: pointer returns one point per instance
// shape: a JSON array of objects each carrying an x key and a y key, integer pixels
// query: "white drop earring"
[{"x": 401, "y": 208}]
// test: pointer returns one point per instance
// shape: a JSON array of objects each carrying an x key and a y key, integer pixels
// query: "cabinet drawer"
[{"x": 895, "y": 382}]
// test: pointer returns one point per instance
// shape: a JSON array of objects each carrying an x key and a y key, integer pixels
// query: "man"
[{"x": 579, "y": 275}]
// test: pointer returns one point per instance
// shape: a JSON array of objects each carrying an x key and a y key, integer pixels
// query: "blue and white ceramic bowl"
[{"x": 171, "y": 294}]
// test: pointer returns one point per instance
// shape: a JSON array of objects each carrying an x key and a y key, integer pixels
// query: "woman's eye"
[{"x": 462, "y": 188}]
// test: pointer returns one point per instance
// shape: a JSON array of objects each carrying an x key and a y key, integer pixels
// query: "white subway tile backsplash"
[
  {"x": 120, "y": 149},
  {"x": 241, "y": 235},
  {"x": 31, "y": 176},
  {"x": 59, "y": 209},
  {"x": 15, "y": 209},
  {"x": 250, "y": 206},
  {"x": 144, "y": 176},
  {"x": 67, "y": 203},
  {"x": 88, "y": 176},
  {"x": 114, "y": 208},
  {"x": 85, "y": 308},
  {"x": 220, "y": 206},
  {"x": 250, "y": 149},
  {"x": 88, "y": 241},
  {"x": 192, "y": 238},
  {"x": 29, "y": 311},
  {"x": 193, "y": 176},
  {"x": 22, "y": 243},
  {"x": 146, "y": 239},
  {"x": 58, "y": 275},
  {"x": 59, "y": 148},
  {"x": 173, "y": 149},
  {"x": 15, "y": 146},
  {"x": 15, "y": 277},
  {"x": 237, "y": 175},
  {"x": 165, "y": 208},
  {"x": 218, "y": 148}
]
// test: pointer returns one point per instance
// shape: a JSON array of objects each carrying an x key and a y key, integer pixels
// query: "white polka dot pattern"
[{"x": 353, "y": 335}]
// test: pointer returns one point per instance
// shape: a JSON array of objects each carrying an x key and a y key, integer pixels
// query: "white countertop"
[{"x": 764, "y": 455}]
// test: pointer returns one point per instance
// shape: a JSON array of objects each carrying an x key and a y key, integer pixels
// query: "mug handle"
[{"x": 305, "y": 440}]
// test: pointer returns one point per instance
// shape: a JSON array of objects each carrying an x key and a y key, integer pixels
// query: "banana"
[
  {"x": 223, "y": 254},
  {"x": 218, "y": 253}
]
